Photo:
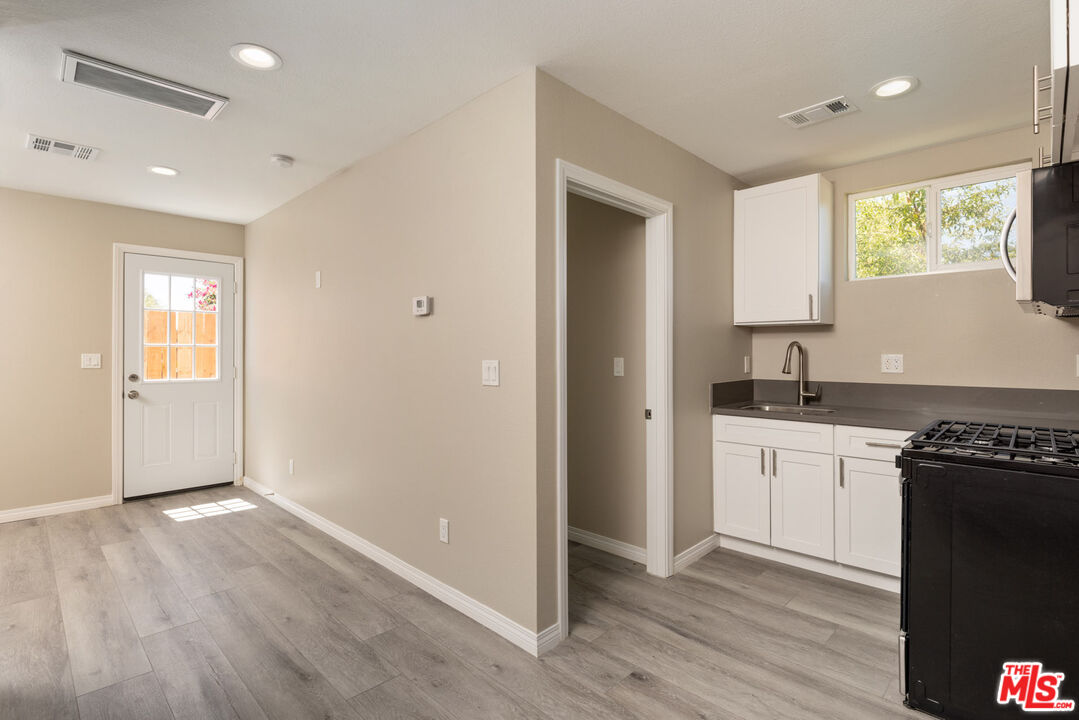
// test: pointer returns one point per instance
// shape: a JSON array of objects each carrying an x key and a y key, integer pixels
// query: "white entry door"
[{"x": 179, "y": 374}]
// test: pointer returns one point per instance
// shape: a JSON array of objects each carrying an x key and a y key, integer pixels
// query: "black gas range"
[{"x": 990, "y": 587}]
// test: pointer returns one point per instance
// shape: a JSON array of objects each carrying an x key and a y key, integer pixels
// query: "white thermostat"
[{"x": 421, "y": 305}]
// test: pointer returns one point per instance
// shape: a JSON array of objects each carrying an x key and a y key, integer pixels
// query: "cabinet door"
[
  {"x": 868, "y": 514},
  {"x": 740, "y": 475},
  {"x": 802, "y": 506},
  {"x": 776, "y": 253}
]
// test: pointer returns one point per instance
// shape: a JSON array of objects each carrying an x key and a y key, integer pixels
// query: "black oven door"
[{"x": 990, "y": 576}]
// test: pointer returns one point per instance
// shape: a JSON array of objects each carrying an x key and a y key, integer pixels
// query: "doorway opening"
[
  {"x": 177, "y": 371},
  {"x": 657, "y": 413}
]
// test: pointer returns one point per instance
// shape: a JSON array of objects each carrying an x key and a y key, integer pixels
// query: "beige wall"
[
  {"x": 56, "y": 282},
  {"x": 961, "y": 328},
  {"x": 707, "y": 348},
  {"x": 605, "y": 308},
  {"x": 384, "y": 412}
]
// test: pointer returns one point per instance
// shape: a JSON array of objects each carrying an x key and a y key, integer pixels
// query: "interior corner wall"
[
  {"x": 957, "y": 328},
  {"x": 384, "y": 413},
  {"x": 605, "y": 309},
  {"x": 57, "y": 260},
  {"x": 707, "y": 347}
]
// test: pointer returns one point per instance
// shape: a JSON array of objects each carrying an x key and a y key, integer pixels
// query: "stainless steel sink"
[{"x": 788, "y": 409}]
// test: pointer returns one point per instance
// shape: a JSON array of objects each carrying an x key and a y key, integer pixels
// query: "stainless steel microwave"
[{"x": 1046, "y": 268}]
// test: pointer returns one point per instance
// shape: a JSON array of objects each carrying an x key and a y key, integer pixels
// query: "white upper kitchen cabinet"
[{"x": 783, "y": 253}]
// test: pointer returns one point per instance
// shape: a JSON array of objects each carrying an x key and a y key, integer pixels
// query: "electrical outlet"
[
  {"x": 747, "y": 364},
  {"x": 1077, "y": 366},
  {"x": 291, "y": 466},
  {"x": 619, "y": 367},
  {"x": 891, "y": 363},
  {"x": 90, "y": 361},
  {"x": 444, "y": 530}
]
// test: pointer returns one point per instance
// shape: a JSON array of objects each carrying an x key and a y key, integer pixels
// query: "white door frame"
[
  {"x": 118, "y": 252},
  {"x": 659, "y": 351}
]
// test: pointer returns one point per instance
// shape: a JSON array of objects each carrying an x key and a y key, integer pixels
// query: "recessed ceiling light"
[
  {"x": 163, "y": 170},
  {"x": 894, "y": 87},
  {"x": 255, "y": 56}
]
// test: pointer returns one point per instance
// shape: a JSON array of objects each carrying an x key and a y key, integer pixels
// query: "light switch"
[
  {"x": 91, "y": 361},
  {"x": 490, "y": 373},
  {"x": 318, "y": 279},
  {"x": 747, "y": 364},
  {"x": 619, "y": 367}
]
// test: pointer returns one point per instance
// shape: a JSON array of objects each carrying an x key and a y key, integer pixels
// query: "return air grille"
[
  {"x": 61, "y": 147},
  {"x": 116, "y": 80},
  {"x": 819, "y": 113}
]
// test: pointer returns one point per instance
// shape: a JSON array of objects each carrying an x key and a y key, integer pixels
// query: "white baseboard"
[
  {"x": 817, "y": 565},
  {"x": 36, "y": 511},
  {"x": 529, "y": 641},
  {"x": 691, "y": 555},
  {"x": 610, "y": 545}
]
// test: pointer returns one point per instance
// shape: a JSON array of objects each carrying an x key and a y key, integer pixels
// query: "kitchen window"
[{"x": 943, "y": 225}]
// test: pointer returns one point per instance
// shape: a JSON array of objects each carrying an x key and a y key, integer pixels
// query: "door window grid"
[{"x": 180, "y": 328}]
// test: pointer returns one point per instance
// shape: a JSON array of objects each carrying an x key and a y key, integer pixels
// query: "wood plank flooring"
[{"x": 122, "y": 612}]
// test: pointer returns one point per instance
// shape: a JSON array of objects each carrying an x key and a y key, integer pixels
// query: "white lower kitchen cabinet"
[
  {"x": 802, "y": 503},
  {"x": 819, "y": 496},
  {"x": 868, "y": 514},
  {"x": 740, "y": 477}
]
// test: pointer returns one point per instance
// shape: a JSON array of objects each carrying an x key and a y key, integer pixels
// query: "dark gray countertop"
[
  {"x": 911, "y": 409},
  {"x": 902, "y": 419},
  {"x": 860, "y": 417}
]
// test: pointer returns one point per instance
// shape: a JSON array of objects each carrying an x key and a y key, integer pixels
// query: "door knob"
[
  {"x": 133, "y": 377},
  {"x": 133, "y": 394}
]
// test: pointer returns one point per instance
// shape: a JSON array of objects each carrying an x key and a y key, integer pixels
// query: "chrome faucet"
[{"x": 803, "y": 394}]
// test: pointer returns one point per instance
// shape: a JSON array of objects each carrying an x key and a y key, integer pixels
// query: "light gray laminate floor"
[{"x": 122, "y": 612}]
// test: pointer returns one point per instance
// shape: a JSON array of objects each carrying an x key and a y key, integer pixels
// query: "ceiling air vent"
[
  {"x": 116, "y": 80},
  {"x": 61, "y": 147},
  {"x": 819, "y": 113}
]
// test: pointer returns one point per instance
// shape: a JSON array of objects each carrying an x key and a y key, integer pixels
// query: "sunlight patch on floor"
[{"x": 222, "y": 507}]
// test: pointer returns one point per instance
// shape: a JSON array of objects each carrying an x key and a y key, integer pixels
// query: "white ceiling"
[{"x": 711, "y": 75}]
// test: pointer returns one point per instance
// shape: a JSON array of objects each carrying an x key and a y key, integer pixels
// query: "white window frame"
[{"x": 933, "y": 187}]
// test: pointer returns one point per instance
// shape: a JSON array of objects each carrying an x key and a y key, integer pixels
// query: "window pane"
[
  {"x": 890, "y": 234},
  {"x": 206, "y": 294},
  {"x": 155, "y": 360},
  {"x": 155, "y": 327},
  {"x": 205, "y": 363},
  {"x": 183, "y": 328},
  {"x": 206, "y": 329},
  {"x": 181, "y": 363},
  {"x": 155, "y": 291},
  {"x": 183, "y": 293},
  {"x": 971, "y": 218}
]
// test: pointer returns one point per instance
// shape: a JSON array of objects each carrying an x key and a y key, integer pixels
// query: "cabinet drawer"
[
  {"x": 765, "y": 432},
  {"x": 869, "y": 443}
]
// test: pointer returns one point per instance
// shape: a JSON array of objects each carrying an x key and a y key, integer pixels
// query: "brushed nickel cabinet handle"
[
  {"x": 762, "y": 461},
  {"x": 842, "y": 472},
  {"x": 874, "y": 443},
  {"x": 774, "y": 463}
]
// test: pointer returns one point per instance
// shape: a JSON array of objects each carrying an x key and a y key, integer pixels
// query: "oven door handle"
[{"x": 1004, "y": 259}]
